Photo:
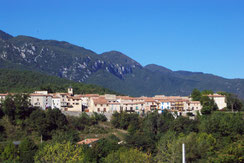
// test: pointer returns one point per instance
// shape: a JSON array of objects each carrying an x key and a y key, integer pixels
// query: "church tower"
[{"x": 70, "y": 90}]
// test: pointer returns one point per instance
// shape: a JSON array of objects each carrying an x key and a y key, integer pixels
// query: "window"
[
  {"x": 98, "y": 109},
  {"x": 104, "y": 109},
  {"x": 37, "y": 99}
]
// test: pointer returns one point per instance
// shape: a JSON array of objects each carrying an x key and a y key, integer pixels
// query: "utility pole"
[{"x": 183, "y": 153}]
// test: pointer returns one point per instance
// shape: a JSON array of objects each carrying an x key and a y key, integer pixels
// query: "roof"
[
  {"x": 126, "y": 97},
  {"x": 149, "y": 99},
  {"x": 132, "y": 103},
  {"x": 88, "y": 141},
  {"x": 216, "y": 95},
  {"x": 195, "y": 102},
  {"x": 38, "y": 94},
  {"x": 74, "y": 97},
  {"x": 91, "y": 95},
  {"x": 100, "y": 100},
  {"x": 56, "y": 96}
]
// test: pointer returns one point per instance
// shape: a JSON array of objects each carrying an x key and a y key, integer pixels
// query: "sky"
[{"x": 193, "y": 35}]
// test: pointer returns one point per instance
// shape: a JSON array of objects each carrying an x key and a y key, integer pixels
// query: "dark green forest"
[
  {"x": 30, "y": 134},
  {"x": 23, "y": 81}
]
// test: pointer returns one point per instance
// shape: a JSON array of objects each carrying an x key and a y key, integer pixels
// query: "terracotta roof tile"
[{"x": 88, "y": 141}]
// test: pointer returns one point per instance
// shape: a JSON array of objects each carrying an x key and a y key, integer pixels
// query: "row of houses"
[{"x": 109, "y": 103}]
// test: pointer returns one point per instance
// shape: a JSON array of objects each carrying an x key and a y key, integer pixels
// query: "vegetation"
[
  {"x": 30, "y": 134},
  {"x": 29, "y": 81}
]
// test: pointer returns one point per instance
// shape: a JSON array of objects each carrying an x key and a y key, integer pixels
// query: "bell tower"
[{"x": 70, "y": 90}]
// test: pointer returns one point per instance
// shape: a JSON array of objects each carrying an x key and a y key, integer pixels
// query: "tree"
[
  {"x": 11, "y": 131},
  {"x": 208, "y": 105},
  {"x": 9, "y": 153},
  {"x": 38, "y": 122},
  {"x": 167, "y": 148},
  {"x": 233, "y": 102},
  {"x": 17, "y": 107},
  {"x": 233, "y": 152},
  {"x": 184, "y": 125},
  {"x": 123, "y": 120},
  {"x": 60, "y": 152},
  {"x": 63, "y": 135},
  {"x": 222, "y": 125},
  {"x": 198, "y": 147},
  {"x": 55, "y": 119},
  {"x": 27, "y": 150},
  {"x": 128, "y": 155},
  {"x": 104, "y": 147},
  {"x": 207, "y": 92},
  {"x": 196, "y": 95}
]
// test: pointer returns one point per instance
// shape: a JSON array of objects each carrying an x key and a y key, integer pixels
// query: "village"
[{"x": 109, "y": 103}]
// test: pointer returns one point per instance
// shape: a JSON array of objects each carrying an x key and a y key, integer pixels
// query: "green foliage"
[
  {"x": 196, "y": 95},
  {"x": 222, "y": 124},
  {"x": 17, "y": 107},
  {"x": 27, "y": 150},
  {"x": 198, "y": 147},
  {"x": 100, "y": 117},
  {"x": 55, "y": 119},
  {"x": 9, "y": 153},
  {"x": 123, "y": 120},
  {"x": 29, "y": 81},
  {"x": 65, "y": 136},
  {"x": 60, "y": 152},
  {"x": 233, "y": 102},
  {"x": 207, "y": 92},
  {"x": 76, "y": 123},
  {"x": 184, "y": 125},
  {"x": 233, "y": 152},
  {"x": 103, "y": 147},
  {"x": 10, "y": 131},
  {"x": 128, "y": 155},
  {"x": 208, "y": 105},
  {"x": 46, "y": 121}
]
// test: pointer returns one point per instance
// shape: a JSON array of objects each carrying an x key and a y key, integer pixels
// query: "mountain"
[
  {"x": 5, "y": 36},
  {"x": 157, "y": 68},
  {"x": 113, "y": 69}
]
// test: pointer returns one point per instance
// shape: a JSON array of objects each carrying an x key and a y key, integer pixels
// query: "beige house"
[
  {"x": 74, "y": 103},
  {"x": 192, "y": 107},
  {"x": 43, "y": 101},
  {"x": 99, "y": 105},
  {"x": 220, "y": 100}
]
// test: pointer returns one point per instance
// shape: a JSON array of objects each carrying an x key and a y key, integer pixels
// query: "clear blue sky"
[{"x": 196, "y": 35}]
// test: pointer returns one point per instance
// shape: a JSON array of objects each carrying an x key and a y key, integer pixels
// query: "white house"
[
  {"x": 220, "y": 100},
  {"x": 41, "y": 100},
  {"x": 56, "y": 102}
]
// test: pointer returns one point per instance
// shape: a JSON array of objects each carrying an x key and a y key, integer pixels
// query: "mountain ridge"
[{"x": 112, "y": 69}]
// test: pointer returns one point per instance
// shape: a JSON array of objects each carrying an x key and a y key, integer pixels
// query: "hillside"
[
  {"x": 112, "y": 70},
  {"x": 29, "y": 81}
]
